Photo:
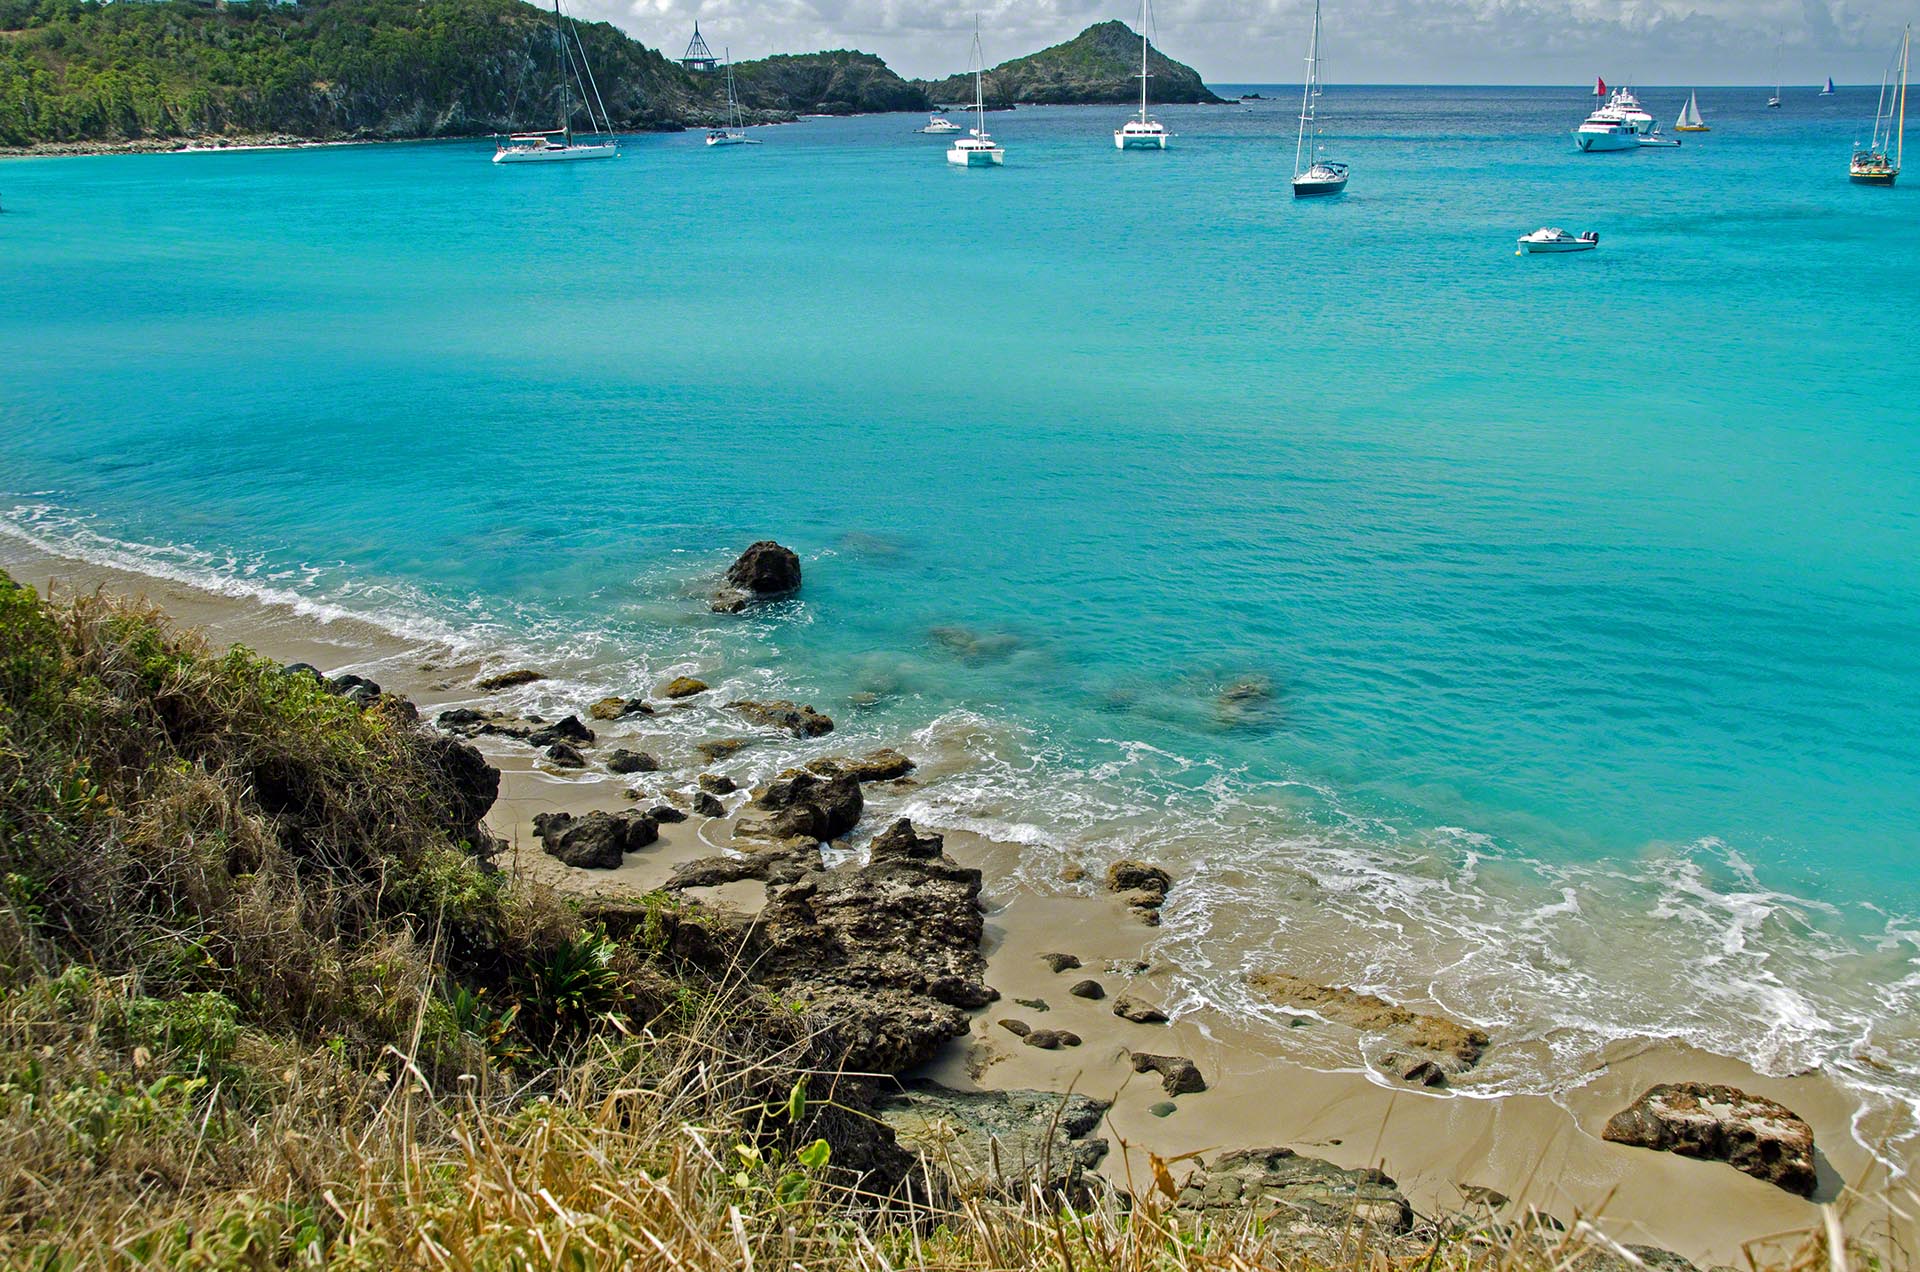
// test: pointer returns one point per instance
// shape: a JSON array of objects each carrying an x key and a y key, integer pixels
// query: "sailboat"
[
  {"x": 730, "y": 134},
  {"x": 1142, "y": 132},
  {"x": 558, "y": 145},
  {"x": 1828, "y": 90},
  {"x": 978, "y": 149},
  {"x": 1690, "y": 120},
  {"x": 1879, "y": 162},
  {"x": 1320, "y": 176},
  {"x": 1773, "y": 103}
]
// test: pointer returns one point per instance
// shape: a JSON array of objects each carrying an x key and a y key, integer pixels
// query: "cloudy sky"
[{"x": 1370, "y": 41}]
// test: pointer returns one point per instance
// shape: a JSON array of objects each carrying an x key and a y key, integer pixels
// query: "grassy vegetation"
[{"x": 261, "y": 1006}]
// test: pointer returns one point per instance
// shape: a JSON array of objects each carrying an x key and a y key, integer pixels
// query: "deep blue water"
[{"x": 1585, "y": 588}]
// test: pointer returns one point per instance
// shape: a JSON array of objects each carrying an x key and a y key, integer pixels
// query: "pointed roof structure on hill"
[{"x": 698, "y": 56}]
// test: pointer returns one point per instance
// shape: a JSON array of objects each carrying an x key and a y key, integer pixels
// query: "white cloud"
[{"x": 1255, "y": 41}]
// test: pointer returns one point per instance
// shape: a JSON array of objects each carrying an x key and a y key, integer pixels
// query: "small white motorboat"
[
  {"x": 1554, "y": 239},
  {"x": 938, "y": 123},
  {"x": 1657, "y": 138}
]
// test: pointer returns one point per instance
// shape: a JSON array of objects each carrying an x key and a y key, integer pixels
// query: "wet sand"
[{"x": 1535, "y": 1150}]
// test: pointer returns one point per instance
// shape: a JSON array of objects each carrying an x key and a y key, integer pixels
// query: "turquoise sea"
[{"x": 1538, "y": 634}]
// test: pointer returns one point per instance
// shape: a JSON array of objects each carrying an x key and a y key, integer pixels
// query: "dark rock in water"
[
  {"x": 709, "y": 805},
  {"x": 1091, "y": 989},
  {"x": 763, "y": 572},
  {"x": 509, "y": 679},
  {"x": 1751, "y": 1133},
  {"x": 565, "y": 755},
  {"x": 1018, "y": 1028},
  {"x": 664, "y": 813},
  {"x": 1452, "y": 1046},
  {"x": 1137, "y": 876},
  {"x": 718, "y": 784},
  {"x": 619, "y": 708},
  {"x": 1178, "y": 1075},
  {"x": 719, "y": 748},
  {"x": 1243, "y": 701},
  {"x": 1058, "y": 963},
  {"x": 883, "y": 765},
  {"x": 597, "y": 841},
  {"x": 1051, "y": 1039},
  {"x": 802, "y": 803},
  {"x": 1418, "y": 1070},
  {"x": 1011, "y": 1141},
  {"x": 972, "y": 646},
  {"x": 1127, "y": 1007},
  {"x": 467, "y": 786},
  {"x": 625, "y": 761},
  {"x": 568, "y": 730},
  {"x": 682, "y": 687},
  {"x": 458, "y": 717},
  {"x": 1287, "y": 1192},
  {"x": 802, "y": 722}
]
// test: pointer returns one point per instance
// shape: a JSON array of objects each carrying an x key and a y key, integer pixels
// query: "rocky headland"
[{"x": 1100, "y": 66}]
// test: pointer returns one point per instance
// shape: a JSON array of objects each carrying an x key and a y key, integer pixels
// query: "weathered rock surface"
[
  {"x": 467, "y": 786},
  {"x": 708, "y": 805},
  {"x": 565, "y": 755},
  {"x": 1127, "y": 1007},
  {"x": 597, "y": 841},
  {"x": 1145, "y": 888},
  {"x": 1050, "y": 1039},
  {"x": 718, "y": 784},
  {"x": 714, "y": 749},
  {"x": 683, "y": 687},
  {"x": 802, "y": 804},
  {"x": 509, "y": 679},
  {"x": 1089, "y": 989},
  {"x": 1057, "y": 963},
  {"x": 569, "y": 729},
  {"x": 1451, "y": 1046},
  {"x": 765, "y": 571},
  {"x": 883, "y": 765},
  {"x": 619, "y": 708},
  {"x": 802, "y": 722},
  {"x": 1288, "y": 1192},
  {"x": 1178, "y": 1075},
  {"x": 624, "y": 761},
  {"x": 665, "y": 813},
  {"x": 1007, "y": 1140},
  {"x": 1751, "y": 1133}
]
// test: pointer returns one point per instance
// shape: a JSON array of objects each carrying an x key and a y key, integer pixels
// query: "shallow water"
[{"x": 1572, "y": 603}]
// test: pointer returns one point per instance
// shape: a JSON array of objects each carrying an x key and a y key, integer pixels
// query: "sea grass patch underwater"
[{"x": 263, "y": 1004}]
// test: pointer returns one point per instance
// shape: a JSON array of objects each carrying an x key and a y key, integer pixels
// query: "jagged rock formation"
[
  {"x": 1101, "y": 65},
  {"x": 1751, "y": 1133}
]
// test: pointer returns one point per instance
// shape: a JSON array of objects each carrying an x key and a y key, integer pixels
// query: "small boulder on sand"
[{"x": 1751, "y": 1133}]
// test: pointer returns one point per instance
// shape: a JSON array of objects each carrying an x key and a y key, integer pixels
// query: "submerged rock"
[
  {"x": 802, "y": 722},
  {"x": 567, "y": 730},
  {"x": 619, "y": 708},
  {"x": 1145, "y": 888},
  {"x": 720, "y": 748},
  {"x": 765, "y": 571},
  {"x": 1287, "y": 1192},
  {"x": 683, "y": 687},
  {"x": 883, "y": 765},
  {"x": 1751, "y": 1133},
  {"x": 509, "y": 679},
  {"x": 597, "y": 841},
  {"x": 1450, "y": 1045},
  {"x": 718, "y": 784}
]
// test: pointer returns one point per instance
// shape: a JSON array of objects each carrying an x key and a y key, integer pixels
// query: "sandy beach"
[{"x": 1444, "y": 1147}]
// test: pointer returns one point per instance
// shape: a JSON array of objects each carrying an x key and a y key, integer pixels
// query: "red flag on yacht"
[{"x": 1599, "y": 87}]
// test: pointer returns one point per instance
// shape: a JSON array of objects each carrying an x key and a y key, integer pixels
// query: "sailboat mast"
[
  {"x": 1143, "y": 73},
  {"x": 1306, "y": 92},
  {"x": 1906, "y": 46},
  {"x": 566, "y": 76}
]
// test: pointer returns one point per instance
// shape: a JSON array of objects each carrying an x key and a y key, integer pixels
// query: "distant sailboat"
[
  {"x": 1143, "y": 132},
  {"x": 1320, "y": 176},
  {"x": 731, "y": 133},
  {"x": 979, "y": 150},
  {"x": 1878, "y": 163},
  {"x": 1690, "y": 120},
  {"x": 558, "y": 145},
  {"x": 1773, "y": 103},
  {"x": 1828, "y": 90}
]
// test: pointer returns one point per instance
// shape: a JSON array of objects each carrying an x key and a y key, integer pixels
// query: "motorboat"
[
  {"x": 938, "y": 123},
  {"x": 1655, "y": 138},
  {"x": 1606, "y": 129},
  {"x": 1551, "y": 239}
]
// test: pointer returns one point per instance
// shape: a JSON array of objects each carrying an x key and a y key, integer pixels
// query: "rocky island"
[{"x": 1100, "y": 66}]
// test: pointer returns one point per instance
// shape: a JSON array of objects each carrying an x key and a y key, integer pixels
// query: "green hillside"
[{"x": 1101, "y": 65}]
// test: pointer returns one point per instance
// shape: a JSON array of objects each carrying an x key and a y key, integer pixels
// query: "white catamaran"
[
  {"x": 1319, "y": 176},
  {"x": 978, "y": 149},
  {"x": 558, "y": 145},
  {"x": 1143, "y": 132},
  {"x": 1878, "y": 162},
  {"x": 731, "y": 133}
]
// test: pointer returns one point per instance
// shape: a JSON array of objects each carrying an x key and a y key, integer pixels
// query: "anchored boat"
[
  {"x": 1143, "y": 132},
  {"x": 557, "y": 145},
  {"x": 1551, "y": 239},
  {"x": 1320, "y": 176},
  {"x": 1690, "y": 120},
  {"x": 979, "y": 150},
  {"x": 732, "y": 133},
  {"x": 1878, "y": 163}
]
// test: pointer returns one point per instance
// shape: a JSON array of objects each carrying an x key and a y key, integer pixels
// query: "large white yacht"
[
  {"x": 1607, "y": 129},
  {"x": 558, "y": 145}
]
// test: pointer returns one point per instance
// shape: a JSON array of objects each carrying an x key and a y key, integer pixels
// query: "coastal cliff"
[
  {"x": 840, "y": 82},
  {"x": 1100, "y": 66}
]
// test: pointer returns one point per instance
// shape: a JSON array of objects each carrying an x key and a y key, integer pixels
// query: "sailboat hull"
[
  {"x": 1873, "y": 178},
  {"x": 1149, "y": 141},
  {"x": 557, "y": 154},
  {"x": 976, "y": 158},
  {"x": 1305, "y": 189}
]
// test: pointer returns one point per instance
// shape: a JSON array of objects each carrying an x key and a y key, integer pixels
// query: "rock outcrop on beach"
[
  {"x": 1751, "y": 1133},
  {"x": 802, "y": 805},
  {"x": 800, "y": 721},
  {"x": 1287, "y": 1192},
  {"x": 1423, "y": 1047},
  {"x": 764, "y": 572},
  {"x": 598, "y": 841},
  {"x": 1144, "y": 887},
  {"x": 1009, "y": 1141},
  {"x": 1100, "y": 66}
]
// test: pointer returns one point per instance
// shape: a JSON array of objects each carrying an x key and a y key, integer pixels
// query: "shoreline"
[{"x": 1534, "y": 1148}]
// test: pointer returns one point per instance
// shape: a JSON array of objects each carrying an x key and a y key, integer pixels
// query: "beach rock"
[
  {"x": 1178, "y": 1075},
  {"x": 358, "y": 690},
  {"x": 707, "y": 805},
  {"x": 618, "y": 708},
  {"x": 1018, "y": 1028},
  {"x": 1127, "y": 1007},
  {"x": 1137, "y": 876},
  {"x": 765, "y": 571},
  {"x": 781, "y": 867},
  {"x": 884, "y": 765},
  {"x": 1645, "y": 1258},
  {"x": 1051, "y": 1039},
  {"x": 509, "y": 679},
  {"x": 597, "y": 841},
  {"x": 1418, "y": 1070},
  {"x": 1011, "y": 1141},
  {"x": 565, "y": 755},
  {"x": 802, "y": 722},
  {"x": 1033, "y": 1004},
  {"x": 1751, "y": 1133},
  {"x": 303, "y": 669},
  {"x": 466, "y": 786},
  {"x": 1072, "y": 874},
  {"x": 682, "y": 687},
  {"x": 1091, "y": 989},
  {"x": 1057, "y": 963},
  {"x": 718, "y": 784},
  {"x": 1452, "y": 1046},
  {"x": 1286, "y": 1192},
  {"x": 802, "y": 803},
  {"x": 624, "y": 761},
  {"x": 1163, "y": 1108},
  {"x": 665, "y": 813},
  {"x": 459, "y": 718},
  {"x": 716, "y": 749},
  {"x": 567, "y": 730},
  {"x": 1242, "y": 700}
]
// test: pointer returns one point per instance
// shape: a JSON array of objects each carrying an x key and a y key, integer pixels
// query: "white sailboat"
[
  {"x": 1828, "y": 90},
  {"x": 1318, "y": 176},
  {"x": 1143, "y": 132},
  {"x": 978, "y": 149},
  {"x": 1773, "y": 103},
  {"x": 558, "y": 145},
  {"x": 731, "y": 133},
  {"x": 1878, "y": 163},
  {"x": 1690, "y": 120}
]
